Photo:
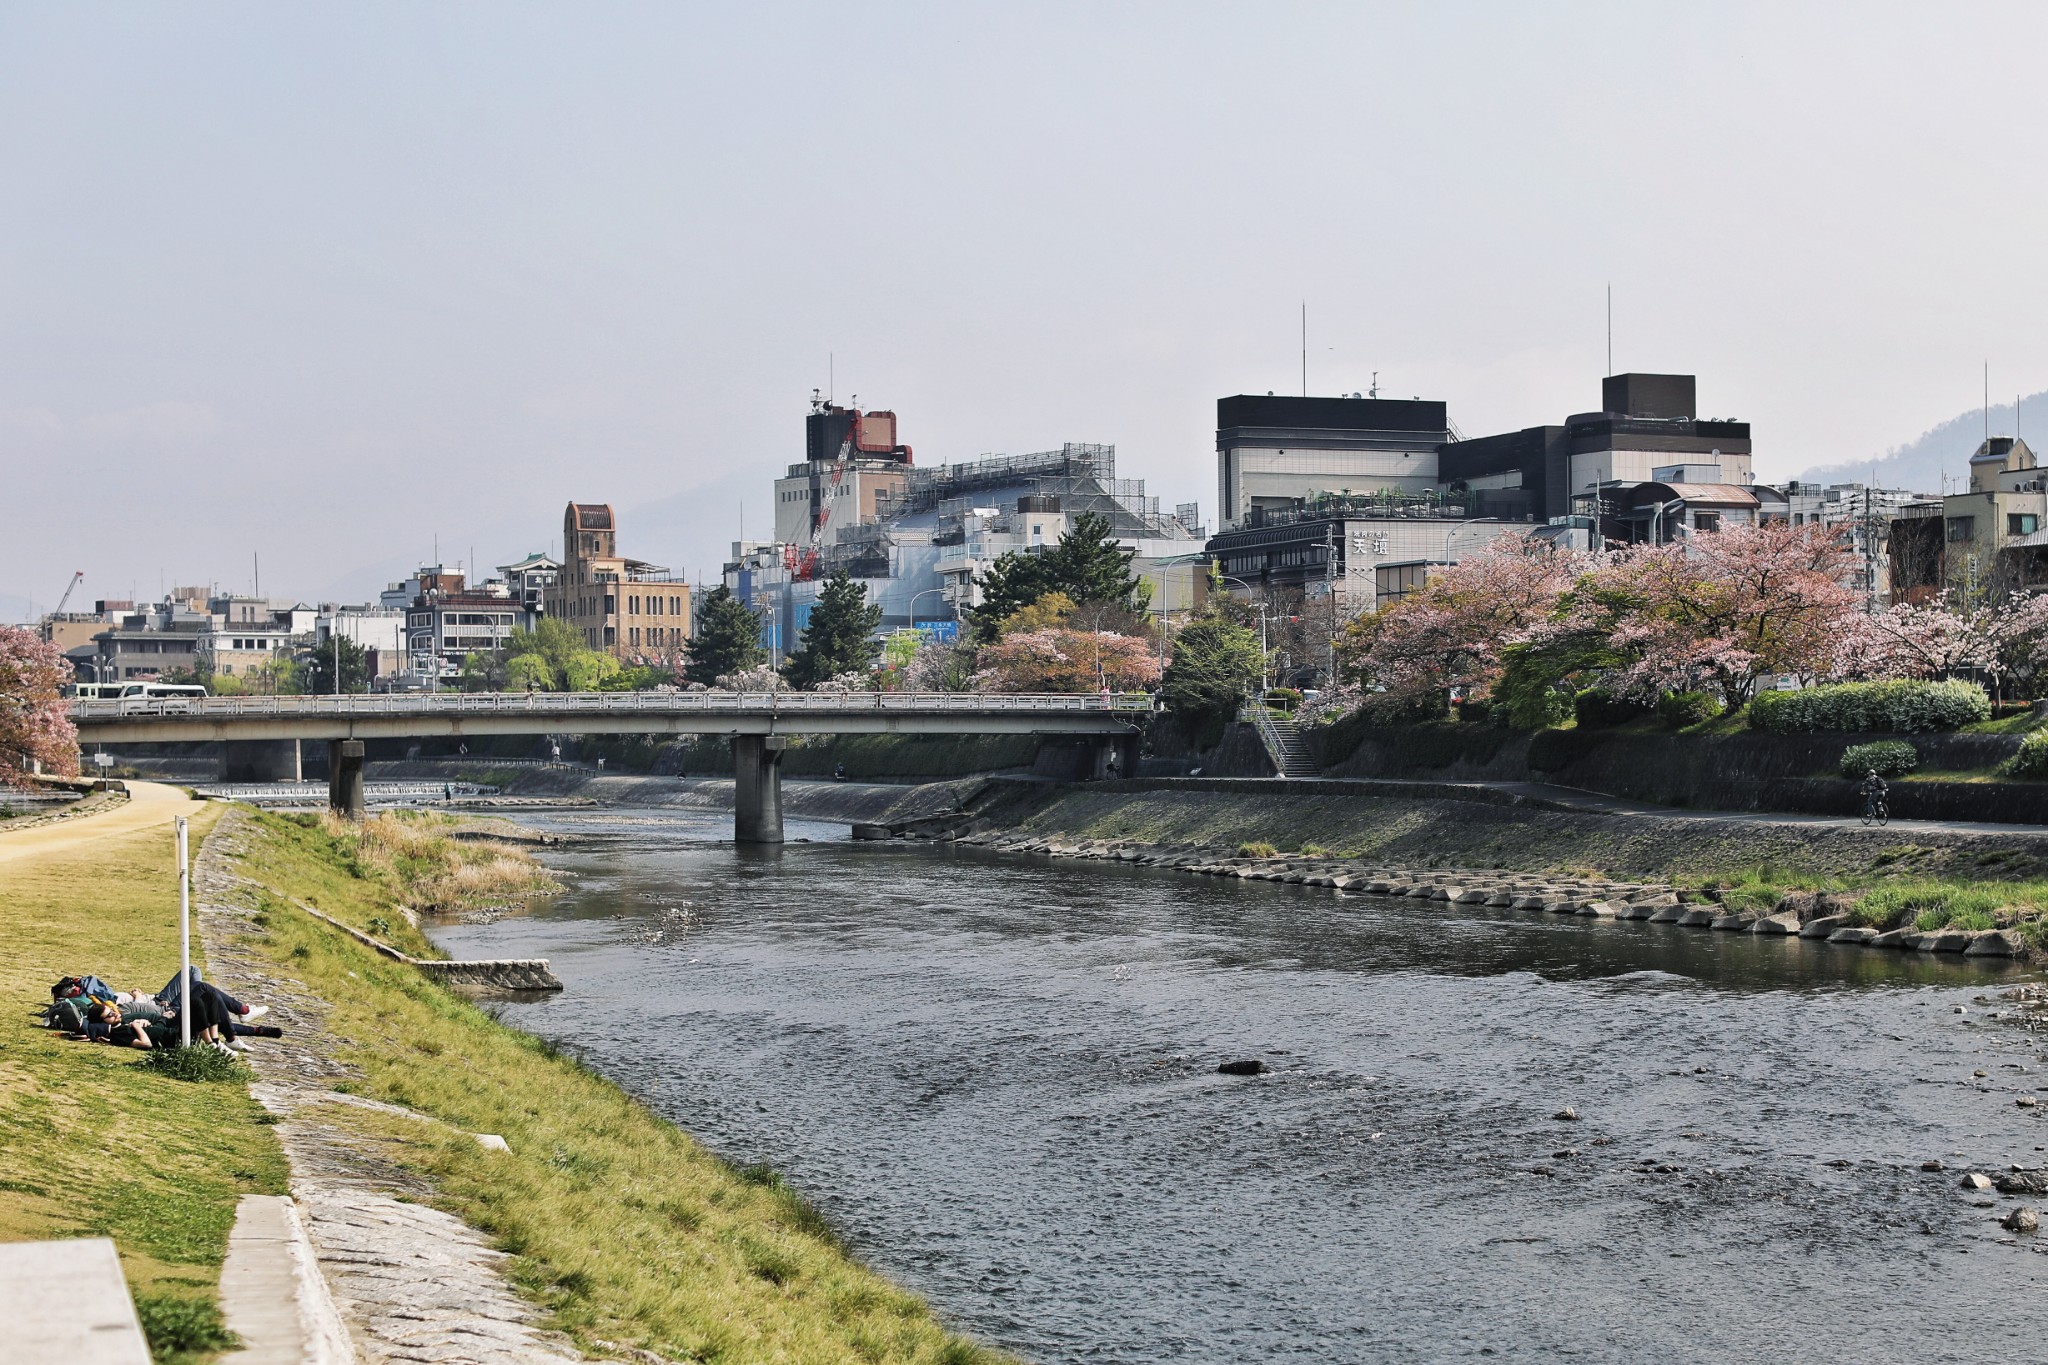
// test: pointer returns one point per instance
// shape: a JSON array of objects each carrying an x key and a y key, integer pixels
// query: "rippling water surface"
[{"x": 997, "y": 1076}]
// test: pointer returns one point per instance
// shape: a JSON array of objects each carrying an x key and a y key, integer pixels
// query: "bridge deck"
[{"x": 415, "y": 715}]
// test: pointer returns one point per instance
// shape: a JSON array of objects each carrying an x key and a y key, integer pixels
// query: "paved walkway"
[
  {"x": 1600, "y": 803},
  {"x": 1547, "y": 796}
]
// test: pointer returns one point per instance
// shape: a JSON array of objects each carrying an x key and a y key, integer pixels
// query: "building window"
[
  {"x": 1706, "y": 521},
  {"x": 1962, "y": 528},
  {"x": 2021, "y": 523}
]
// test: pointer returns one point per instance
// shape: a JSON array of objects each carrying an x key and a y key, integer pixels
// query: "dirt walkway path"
[{"x": 150, "y": 805}]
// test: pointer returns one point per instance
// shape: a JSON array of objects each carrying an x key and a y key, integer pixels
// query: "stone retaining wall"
[{"x": 1800, "y": 914}]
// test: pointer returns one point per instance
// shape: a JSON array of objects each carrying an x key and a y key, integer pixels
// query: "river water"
[{"x": 997, "y": 1076}]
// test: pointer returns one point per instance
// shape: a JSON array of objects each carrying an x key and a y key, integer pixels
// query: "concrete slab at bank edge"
[{"x": 68, "y": 1301}]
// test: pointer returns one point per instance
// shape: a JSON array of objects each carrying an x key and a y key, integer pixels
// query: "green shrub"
[
  {"x": 2032, "y": 758},
  {"x": 1596, "y": 709},
  {"x": 1886, "y": 757},
  {"x": 1475, "y": 709},
  {"x": 1680, "y": 709},
  {"x": 1899, "y": 706},
  {"x": 1283, "y": 698},
  {"x": 176, "y": 1326},
  {"x": 199, "y": 1062},
  {"x": 1257, "y": 850}
]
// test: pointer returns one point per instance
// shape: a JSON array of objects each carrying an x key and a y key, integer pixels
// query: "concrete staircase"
[{"x": 1284, "y": 744}]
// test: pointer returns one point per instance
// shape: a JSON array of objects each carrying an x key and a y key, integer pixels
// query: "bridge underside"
[
  {"x": 175, "y": 729},
  {"x": 1100, "y": 746}
]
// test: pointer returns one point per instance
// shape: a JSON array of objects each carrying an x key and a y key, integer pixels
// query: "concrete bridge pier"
[
  {"x": 260, "y": 760},
  {"x": 757, "y": 785},
  {"x": 345, "y": 778}
]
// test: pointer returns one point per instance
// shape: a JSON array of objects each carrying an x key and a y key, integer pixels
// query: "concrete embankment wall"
[
  {"x": 1750, "y": 771},
  {"x": 1419, "y": 826},
  {"x": 850, "y": 802}
]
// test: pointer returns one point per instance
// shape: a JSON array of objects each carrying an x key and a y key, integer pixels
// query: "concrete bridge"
[{"x": 261, "y": 735}]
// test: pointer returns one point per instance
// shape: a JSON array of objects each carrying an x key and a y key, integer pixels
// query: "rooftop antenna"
[
  {"x": 1374, "y": 390},
  {"x": 1987, "y": 402},
  {"x": 1304, "y": 348},
  {"x": 1610, "y": 329}
]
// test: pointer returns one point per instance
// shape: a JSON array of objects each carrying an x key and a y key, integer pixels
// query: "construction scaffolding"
[{"x": 1081, "y": 475}]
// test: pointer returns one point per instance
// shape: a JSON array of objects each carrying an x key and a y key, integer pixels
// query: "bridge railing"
[{"x": 579, "y": 704}]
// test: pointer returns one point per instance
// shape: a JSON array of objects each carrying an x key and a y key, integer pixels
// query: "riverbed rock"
[
  {"x": 1975, "y": 1180},
  {"x": 1638, "y": 910},
  {"x": 1529, "y": 903},
  {"x": 1655, "y": 900},
  {"x": 1243, "y": 1066},
  {"x": 1672, "y": 914},
  {"x": 1566, "y": 1115},
  {"x": 1738, "y": 922},
  {"x": 1782, "y": 922},
  {"x": 1822, "y": 925},
  {"x": 1896, "y": 938},
  {"x": 2023, "y": 1182},
  {"x": 1803, "y": 905},
  {"x": 2028, "y": 1102},
  {"x": 1996, "y": 943},
  {"x": 1852, "y": 935},
  {"x": 1943, "y": 941},
  {"x": 1697, "y": 917},
  {"x": 2021, "y": 1219}
]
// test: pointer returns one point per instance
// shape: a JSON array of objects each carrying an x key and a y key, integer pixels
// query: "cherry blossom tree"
[
  {"x": 1915, "y": 640},
  {"x": 35, "y": 724},
  {"x": 1452, "y": 630},
  {"x": 1722, "y": 611},
  {"x": 2017, "y": 656},
  {"x": 1060, "y": 660}
]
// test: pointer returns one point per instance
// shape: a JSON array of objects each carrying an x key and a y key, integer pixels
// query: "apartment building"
[{"x": 636, "y": 611}]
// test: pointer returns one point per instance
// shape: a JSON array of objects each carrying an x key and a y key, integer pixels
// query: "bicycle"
[{"x": 1876, "y": 809}]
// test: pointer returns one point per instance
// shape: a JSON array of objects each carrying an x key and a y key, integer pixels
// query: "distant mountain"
[{"x": 1918, "y": 464}]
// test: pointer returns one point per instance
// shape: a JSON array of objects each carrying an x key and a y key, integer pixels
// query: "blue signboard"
[{"x": 947, "y": 632}]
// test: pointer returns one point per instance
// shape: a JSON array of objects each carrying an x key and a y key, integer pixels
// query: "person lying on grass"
[
  {"x": 148, "y": 1027},
  {"x": 89, "y": 989}
]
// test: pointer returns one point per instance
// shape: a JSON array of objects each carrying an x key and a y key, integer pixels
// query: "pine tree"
[
  {"x": 1013, "y": 582},
  {"x": 728, "y": 640},
  {"x": 1087, "y": 565},
  {"x": 355, "y": 667},
  {"x": 838, "y": 638}
]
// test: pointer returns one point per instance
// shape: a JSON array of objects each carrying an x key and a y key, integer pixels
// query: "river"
[{"x": 997, "y": 1076}]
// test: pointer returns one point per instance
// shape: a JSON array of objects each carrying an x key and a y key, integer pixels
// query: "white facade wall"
[{"x": 1248, "y": 473}]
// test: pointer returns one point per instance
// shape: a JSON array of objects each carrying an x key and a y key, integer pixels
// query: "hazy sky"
[{"x": 322, "y": 282}]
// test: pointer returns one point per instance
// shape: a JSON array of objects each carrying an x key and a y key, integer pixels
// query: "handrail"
[{"x": 588, "y": 703}]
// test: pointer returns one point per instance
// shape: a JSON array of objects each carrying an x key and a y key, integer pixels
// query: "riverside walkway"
[{"x": 263, "y": 734}]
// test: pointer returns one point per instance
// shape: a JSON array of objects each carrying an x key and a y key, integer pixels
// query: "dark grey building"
[{"x": 1647, "y": 421}]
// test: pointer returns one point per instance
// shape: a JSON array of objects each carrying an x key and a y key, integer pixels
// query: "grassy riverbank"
[
  {"x": 621, "y": 1225},
  {"x": 92, "y": 1143}
]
